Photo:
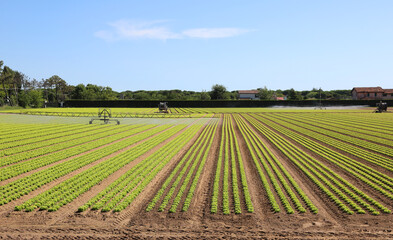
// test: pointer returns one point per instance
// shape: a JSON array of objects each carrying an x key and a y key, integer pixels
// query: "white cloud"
[
  {"x": 214, "y": 32},
  {"x": 135, "y": 30},
  {"x": 154, "y": 30},
  {"x": 126, "y": 29}
]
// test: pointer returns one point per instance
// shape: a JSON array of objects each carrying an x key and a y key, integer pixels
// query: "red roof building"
[{"x": 371, "y": 93}]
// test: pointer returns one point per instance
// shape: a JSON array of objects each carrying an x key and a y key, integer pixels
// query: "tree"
[
  {"x": 142, "y": 95},
  {"x": 24, "y": 99},
  {"x": 174, "y": 95},
  {"x": 78, "y": 92},
  {"x": 92, "y": 92},
  {"x": 107, "y": 94},
  {"x": 7, "y": 78},
  {"x": 35, "y": 97},
  {"x": 17, "y": 83},
  {"x": 279, "y": 93},
  {"x": 57, "y": 84},
  {"x": 126, "y": 94},
  {"x": 312, "y": 95},
  {"x": 293, "y": 95},
  {"x": 32, "y": 98},
  {"x": 205, "y": 95},
  {"x": 34, "y": 84},
  {"x": 265, "y": 94},
  {"x": 3, "y": 95},
  {"x": 25, "y": 82},
  {"x": 218, "y": 92}
]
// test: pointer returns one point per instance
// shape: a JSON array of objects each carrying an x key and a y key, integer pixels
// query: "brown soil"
[{"x": 198, "y": 222}]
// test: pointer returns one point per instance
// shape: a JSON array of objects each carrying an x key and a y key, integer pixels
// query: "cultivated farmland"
[{"x": 219, "y": 173}]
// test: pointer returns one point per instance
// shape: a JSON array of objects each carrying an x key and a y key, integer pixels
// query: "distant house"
[
  {"x": 280, "y": 98},
  {"x": 371, "y": 93},
  {"x": 248, "y": 94}
]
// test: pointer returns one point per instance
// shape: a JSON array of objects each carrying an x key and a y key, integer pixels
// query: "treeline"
[
  {"x": 291, "y": 94},
  {"x": 19, "y": 90},
  {"x": 220, "y": 92}
]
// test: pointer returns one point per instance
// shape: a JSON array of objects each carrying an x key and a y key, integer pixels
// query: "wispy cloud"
[
  {"x": 133, "y": 30},
  {"x": 214, "y": 32},
  {"x": 155, "y": 30}
]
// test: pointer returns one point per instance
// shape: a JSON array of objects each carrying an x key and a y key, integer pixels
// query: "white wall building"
[{"x": 248, "y": 94}]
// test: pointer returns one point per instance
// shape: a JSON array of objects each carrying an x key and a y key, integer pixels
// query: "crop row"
[
  {"x": 58, "y": 147},
  {"x": 68, "y": 190},
  {"x": 23, "y": 186},
  {"x": 229, "y": 155},
  {"x": 26, "y": 166},
  {"x": 125, "y": 189},
  {"x": 53, "y": 139},
  {"x": 197, "y": 153},
  {"x": 378, "y": 181},
  {"x": 327, "y": 138},
  {"x": 16, "y": 132},
  {"x": 120, "y": 188},
  {"x": 368, "y": 120},
  {"x": 323, "y": 176},
  {"x": 11, "y": 128},
  {"x": 345, "y": 136},
  {"x": 351, "y": 127},
  {"x": 276, "y": 172},
  {"x": 48, "y": 134}
]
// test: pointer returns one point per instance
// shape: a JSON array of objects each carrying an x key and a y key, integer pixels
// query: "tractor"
[
  {"x": 163, "y": 107},
  {"x": 381, "y": 107}
]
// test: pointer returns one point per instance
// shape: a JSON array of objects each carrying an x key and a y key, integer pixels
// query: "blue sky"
[{"x": 191, "y": 45}]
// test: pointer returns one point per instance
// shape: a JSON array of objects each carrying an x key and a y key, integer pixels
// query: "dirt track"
[{"x": 171, "y": 226}]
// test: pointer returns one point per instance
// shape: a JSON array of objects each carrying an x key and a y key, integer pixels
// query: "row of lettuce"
[
  {"x": 341, "y": 191},
  {"x": 337, "y": 156}
]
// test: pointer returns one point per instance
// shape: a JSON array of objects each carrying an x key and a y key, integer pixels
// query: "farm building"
[
  {"x": 248, "y": 94},
  {"x": 371, "y": 93},
  {"x": 280, "y": 98}
]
